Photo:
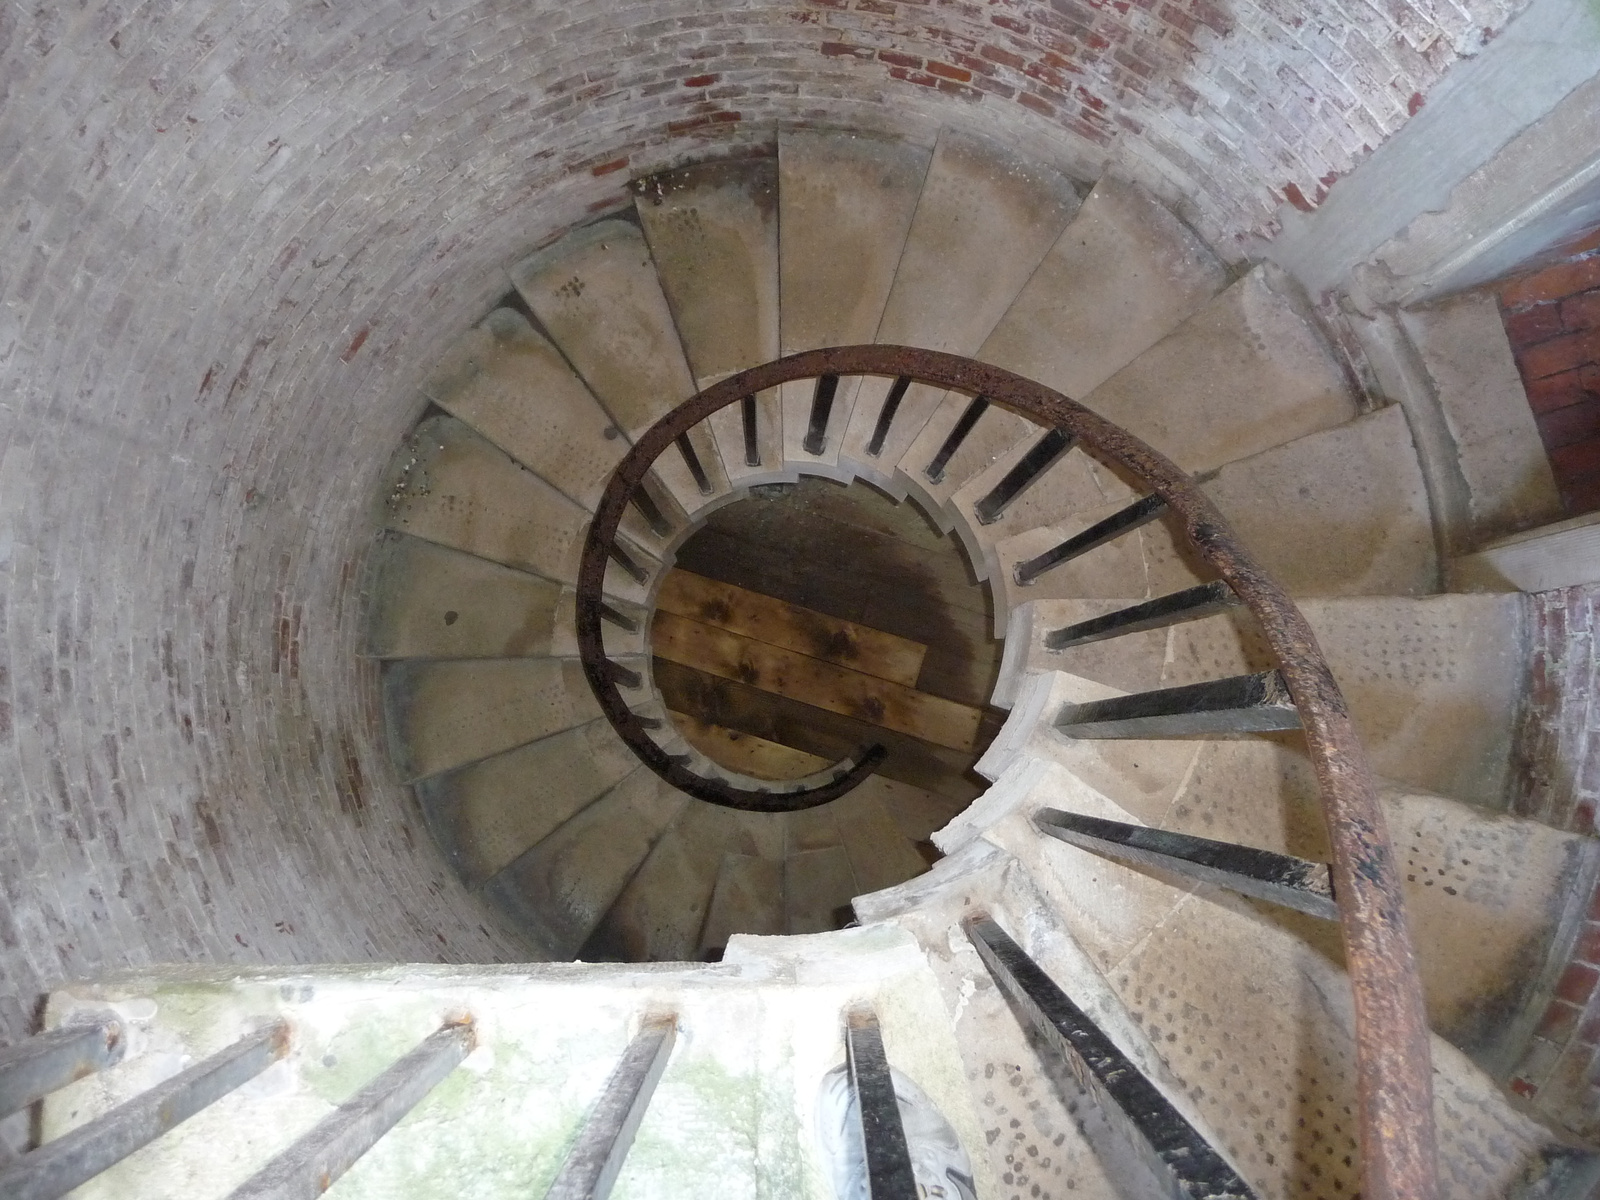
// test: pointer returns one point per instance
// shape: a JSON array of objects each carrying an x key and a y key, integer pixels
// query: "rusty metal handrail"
[{"x": 1391, "y": 1032}]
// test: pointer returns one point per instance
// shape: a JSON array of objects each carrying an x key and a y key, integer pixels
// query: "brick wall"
[
  {"x": 1552, "y": 317},
  {"x": 235, "y": 234},
  {"x": 1557, "y": 747}
]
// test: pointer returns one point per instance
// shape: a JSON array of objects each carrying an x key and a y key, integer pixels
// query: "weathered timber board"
[
  {"x": 820, "y": 684},
  {"x": 803, "y": 630},
  {"x": 746, "y": 751}
]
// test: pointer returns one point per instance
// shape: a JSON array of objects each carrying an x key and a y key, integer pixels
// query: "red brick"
[
  {"x": 1581, "y": 312},
  {"x": 949, "y": 72},
  {"x": 1579, "y": 494},
  {"x": 1588, "y": 947},
  {"x": 895, "y": 59},
  {"x": 1558, "y": 391},
  {"x": 605, "y": 168},
  {"x": 1589, "y": 1031},
  {"x": 841, "y": 49},
  {"x": 1029, "y": 100},
  {"x": 1553, "y": 283},
  {"x": 699, "y": 81},
  {"x": 920, "y": 78},
  {"x": 1524, "y": 1089},
  {"x": 1574, "y": 423},
  {"x": 1534, "y": 324},
  {"x": 1564, "y": 353},
  {"x": 1576, "y": 983},
  {"x": 1583, "y": 244},
  {"x": 1004, "y": 57},
  {"x": 1559, "y": 1022}
]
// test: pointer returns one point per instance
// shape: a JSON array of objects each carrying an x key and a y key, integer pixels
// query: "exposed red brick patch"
[
  {"x": 1577, "y": 983},
  {"x": 1581, "y": 312},
  {"x": 1534, "y": 325},
  {"x": 1553, "y": 283},
  {"x": 605, "y": 168},
  {"x": 895, "y": 59},
  {"x": 1414, "y": 105},
  {"x": 949, "y": 72},
  {"x": 700, "y": 81},
  {"x": 844, "y": 49},
  {"x": 1524, "y": 1089},
  {"x": 1296, "y": 197},
  {"x": 356, "y": 343},
  {"x": 1565, "y": 353},
  {"x": 1559, "y": 1022}
]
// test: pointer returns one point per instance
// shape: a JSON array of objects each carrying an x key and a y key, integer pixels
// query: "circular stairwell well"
[{"x": 1242, "y": 1009}]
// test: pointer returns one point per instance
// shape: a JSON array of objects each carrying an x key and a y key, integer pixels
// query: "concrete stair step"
[
  {"x": 452, "y": 486},
  {"x": 984, "y": 221},
  {"x": 1342, "y": 511},
  {"x": 713, "y": 233},
  {"x": 597, "y": 293},
  {"x": 444, "y": 713},
  {"x": 1121, "y": 277},
  {"x": 661, "y": 912},
  {"x": 1244, "y": 1022},
  {"x": 511, "y": 385},
  {"x": 1432, "y": 682},
  {"x": 559, "y": 888},
  {"x": 489, "y": 812},
  {"x": 846, "y": 204}
]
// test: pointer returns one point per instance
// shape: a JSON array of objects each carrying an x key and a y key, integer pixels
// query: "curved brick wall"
[{"x": 233, "y": 233}]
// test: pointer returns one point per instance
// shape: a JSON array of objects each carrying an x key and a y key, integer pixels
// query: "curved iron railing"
[{"x": 1391, "y": 1032}]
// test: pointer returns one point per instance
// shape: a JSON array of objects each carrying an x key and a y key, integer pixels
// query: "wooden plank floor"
[{"x": 853, "y": 555}]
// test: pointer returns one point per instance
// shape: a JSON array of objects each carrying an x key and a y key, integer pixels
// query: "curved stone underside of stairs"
[{"x": 1240, "y": 1012}]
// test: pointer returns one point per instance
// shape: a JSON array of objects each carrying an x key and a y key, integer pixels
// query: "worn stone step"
[
  {"x": 443, "y": 713},
  {"x": 846, "y": 204},
  {"x": 713, "y": 233},
  {"x": 511, "y": 385},
  {"x": 1241, "y": 1017},
  {"x": 491, "y": 811},
  {"x": 660, "y": 914},
  {"x": 452, "y": 486},
  {"x": 818, "y": 887},
  {"x": 985, "y": 219},
  {"x": 1502, "y": 461},
  {"x": 1343, "y": 511},
  {"x": 1432, "y": 682},
  {"x": 597, "y": 293},
  {"x": 1121, "y": 277},
  {"x": 747, "y": 898},
  {"x": 559, "y": 888},
  {"x": 880, "y": 855}
]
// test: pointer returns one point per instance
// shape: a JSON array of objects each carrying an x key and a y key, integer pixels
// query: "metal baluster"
[
  {"x": 891, "y": 405},
  {"x": 33, "y": 1069},
  {"x": 596, "y": 1158},
  {"x": 889, "y": 1175},
  {"x": 306, "y": 1169},
  {"x": 623, "y": 676},
  {"x": 1041, "y": 456},
  {"x": 1170, "y": 1154},
  {"x": 1191, "y": 604},
  {"x": 1278, "y": 878},
  {"x": 624, "y": 560},
  {"x": 57, "y": 1167},
  {"x": 620, "y": 619},
  {"x": 692, "y": 460},
  {"x": 821, "y": 409},
  {"x": 651, "y": 512},
  {"x": 1140, "y": 512},
  {"x": 1241, "y": 704},
  {"x": 752, "y": 447},
  {"x": 969, "y": 418}
]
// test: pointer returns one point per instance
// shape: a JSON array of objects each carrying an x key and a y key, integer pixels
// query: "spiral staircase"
[{"x": 514, "y": 629}]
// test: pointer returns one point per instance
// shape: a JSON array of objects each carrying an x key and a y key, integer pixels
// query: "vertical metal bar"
[
  {"x": 1240, "y": 704},
  {"x": 969, "y": 418},
  {"x": 1277, "y": 878},
  {"x": 306, "y": 1169},
  {"x": 889, "y": 1175},
  {"x": 650, "y": 511},
  {"x": 821, "y": 409},
  {"x": 692, "y": 461},
  {"x": 1182, "y": 1162},
  {"x": 33, "y": 1069},
  {"x": 1140, "y": 512},
  {"x": 1041, "y": 456},
  {"x": 624, "y": 560},
  {"x": 752, "y": 444},
  {"x": 57, "y": 1167},
  {"x": 620, "y": 619},
  {"x": 891, "y": 405},
  {"x": 596, "y": 1158},
  {"x": 623, "y": 676},
  {"x": 1191, "y": 604}
]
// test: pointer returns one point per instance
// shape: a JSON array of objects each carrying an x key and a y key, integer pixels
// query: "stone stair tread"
[
  {"x": 1432, "y": 682},
  {"x": 445, "y": 713},
  {"x": 1215, "y": 987},
  {"x": 510, "y": 384},
  {"x": 818, "y": 886},
  {"x": 985, "y": 219},
  {"x": 560, "y": 887},
  {"x": 1123, "y": 275},
  {"x": 456, "y": 488},
  {"x": 597, "y": 293},
  {"x": 846, "y": 203},
  {"x": 1245, "y": 373},
  {"x": 880, "y": 856},
  {"x": 1462, "y": 342},
  {"x": 491, "y": 811},
  {"x": 713, "y": 234},
  {"x": 430, "y": 601},
  {"x": 747, "y": 898}
]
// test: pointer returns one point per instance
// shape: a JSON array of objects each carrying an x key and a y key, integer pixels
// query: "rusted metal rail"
[{"x": 1394, "y": 1073}]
